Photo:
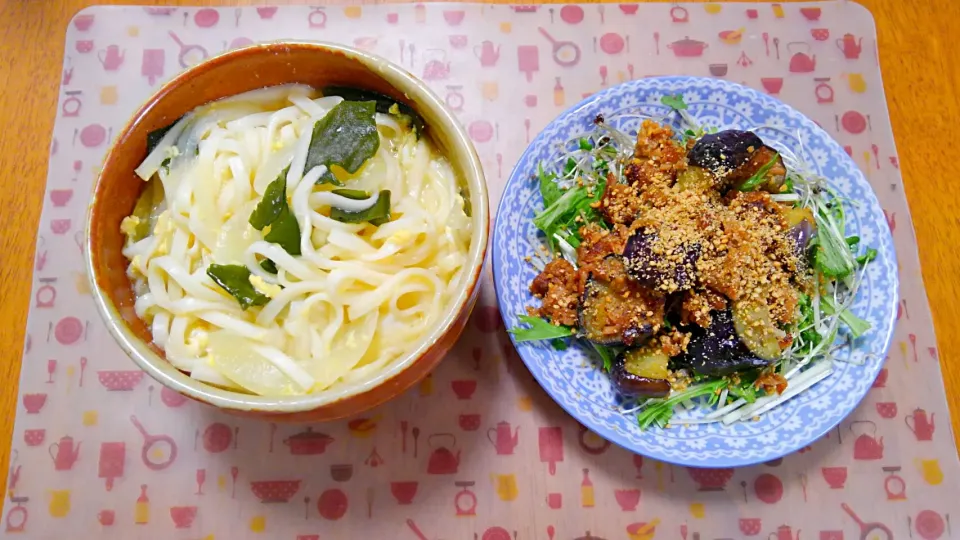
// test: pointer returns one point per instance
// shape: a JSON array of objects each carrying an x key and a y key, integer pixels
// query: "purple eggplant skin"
[
  {"x": 801, "y": 234},
  {"x": 628, "y": 384},
  {"x": 717, "y": 350},
  {"x": 647, "y": 268},
  {"x": 723, "y": 152},
  {"x": 593, "y": 319}
]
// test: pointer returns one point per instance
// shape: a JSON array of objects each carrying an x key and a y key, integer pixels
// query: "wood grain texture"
[{"x": 921, "y": 76}]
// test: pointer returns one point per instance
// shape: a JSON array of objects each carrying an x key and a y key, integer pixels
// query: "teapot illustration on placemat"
[
  {"x": 784, "y": 532},
  {"x": 867, "y": 446},
  {"x": 111, "y": 57},
  {"x": 503, "y": 439},
  {"x": 801, "y": 61},
  {"x": 921, "y": 426},
  {"x": 850, "y": 46},
  {"x": 487, "y": 53},
  {"x": 64, "y": 453},
  {"x": 442, "y": 459},
  {"x": 437, "y": 67}
]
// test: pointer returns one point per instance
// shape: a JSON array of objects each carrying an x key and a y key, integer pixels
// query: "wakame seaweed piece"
[
  {"x": 273, "y": 202},
  {"x": 347, "y": 136},
  {"x": 355, "y": 194},
  {"x": 235, "y": 279},
  {"x": 155, "y": 136},
  {"x": 285, "y": 232},
  {"x": 378, "y": 214},
  {"x": 384, "y": 103},
  {"x": 150, "y": 198},
  {"x": 268, "y": 266},
  {"x": 274, "y": 211}
]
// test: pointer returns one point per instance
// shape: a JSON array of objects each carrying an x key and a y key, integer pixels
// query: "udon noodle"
[{"x": 335, "y": 304}]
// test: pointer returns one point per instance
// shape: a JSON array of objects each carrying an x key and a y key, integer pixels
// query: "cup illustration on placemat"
[
  {"x": 34, "y": 437},
  {"x": 750, "y": 526},
  {"x": 60, "y": 226},
  {"x": 469, "y": 422},
  {"x": 886, "y": 409}
]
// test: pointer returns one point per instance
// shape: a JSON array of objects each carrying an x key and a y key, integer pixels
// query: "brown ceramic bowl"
[{"x": 234, "y": 72}]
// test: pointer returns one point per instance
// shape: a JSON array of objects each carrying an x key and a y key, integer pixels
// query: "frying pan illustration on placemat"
[
  {"x": 189, "y": 54},
  {"x": 867, "y": 529},
  {"x": 150, "y": 443},
  {"x": 565, "y": 53}
]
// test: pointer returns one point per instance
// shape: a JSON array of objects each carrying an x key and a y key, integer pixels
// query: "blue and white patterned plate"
[{"x": 571, "y": 376}]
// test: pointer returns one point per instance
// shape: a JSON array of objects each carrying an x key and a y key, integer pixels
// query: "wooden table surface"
[{"x": 916, "y": 41}]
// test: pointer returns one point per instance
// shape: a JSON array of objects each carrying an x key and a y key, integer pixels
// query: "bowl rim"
[
  {"x": 889, "y": 252},
  {"x": 164, "y": 372}
]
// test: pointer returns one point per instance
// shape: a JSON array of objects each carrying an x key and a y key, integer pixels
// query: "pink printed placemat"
[{"x": 477, "y": 450}]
